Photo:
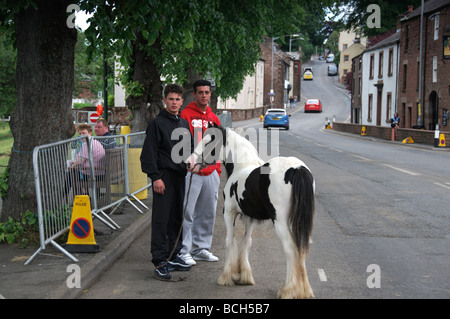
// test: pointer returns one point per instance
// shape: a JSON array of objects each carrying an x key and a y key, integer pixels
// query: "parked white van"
[{"x": 330, "y": 58}]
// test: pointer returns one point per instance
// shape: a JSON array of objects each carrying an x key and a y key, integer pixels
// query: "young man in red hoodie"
[{"x": 198, "y": 225}]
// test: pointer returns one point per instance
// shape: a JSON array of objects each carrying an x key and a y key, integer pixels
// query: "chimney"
[{"x": 410, "y": 8}]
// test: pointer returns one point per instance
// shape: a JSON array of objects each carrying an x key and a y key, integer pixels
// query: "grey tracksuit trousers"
[{"x": 198, "y": 225}]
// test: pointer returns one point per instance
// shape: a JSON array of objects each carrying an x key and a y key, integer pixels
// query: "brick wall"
[
  {"x": 420, "y": 136},
  {"x": 247, "y": 114},
  {"x": 120, "y": 114}
]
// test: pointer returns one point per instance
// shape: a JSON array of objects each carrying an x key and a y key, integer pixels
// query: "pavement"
[{"x": 52, "y": 275}]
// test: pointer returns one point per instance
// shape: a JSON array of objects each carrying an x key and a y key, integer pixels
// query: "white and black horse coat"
[{"x": 281, "y": 190}]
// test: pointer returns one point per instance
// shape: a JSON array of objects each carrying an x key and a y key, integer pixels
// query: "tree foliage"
[{"x": 357, "y": 14}]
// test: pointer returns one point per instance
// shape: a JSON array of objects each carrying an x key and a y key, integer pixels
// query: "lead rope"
[{"x": 181, "y": 227}]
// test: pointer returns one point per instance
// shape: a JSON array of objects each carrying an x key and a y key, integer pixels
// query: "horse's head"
[{"x": 208, "y": 150}]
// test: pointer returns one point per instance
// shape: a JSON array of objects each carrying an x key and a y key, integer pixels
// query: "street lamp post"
[
  {"x": 271, "y": 83},
  {"x": 291, "y": 37}
]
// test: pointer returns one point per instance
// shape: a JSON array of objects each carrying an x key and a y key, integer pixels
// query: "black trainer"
[
  {"x": 162, "y": 271},
  {"x": 178, "y": 264}
]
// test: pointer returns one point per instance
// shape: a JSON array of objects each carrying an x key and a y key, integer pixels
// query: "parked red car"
[{"x": 313, "y": 105}]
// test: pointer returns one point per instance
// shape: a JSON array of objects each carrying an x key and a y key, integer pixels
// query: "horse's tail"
[{"x": 302, "y": 206}]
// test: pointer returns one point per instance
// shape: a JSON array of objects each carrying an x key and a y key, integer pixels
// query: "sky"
[{"x": 80, "y": 20}]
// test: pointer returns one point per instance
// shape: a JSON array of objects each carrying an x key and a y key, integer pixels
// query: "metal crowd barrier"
[{"x": 106, "y": 179}]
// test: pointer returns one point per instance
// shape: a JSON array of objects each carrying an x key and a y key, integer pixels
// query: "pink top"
[{"x": 99, "y": 158}]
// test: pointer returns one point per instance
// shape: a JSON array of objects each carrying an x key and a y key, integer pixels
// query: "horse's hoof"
[{"x": 225, "y": 280}]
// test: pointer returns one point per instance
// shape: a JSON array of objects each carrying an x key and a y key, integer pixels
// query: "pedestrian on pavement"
[
  {"x": 168, "y": 179},
  {"x": 395, "y": 121},
  {"x": 101, "y": 129},
  {"x": 291, "y": 101},
  {"x": 198, "y": 225}
]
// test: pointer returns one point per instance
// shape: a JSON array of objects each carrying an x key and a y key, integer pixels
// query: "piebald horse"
[{"x": 281, "y": 190}]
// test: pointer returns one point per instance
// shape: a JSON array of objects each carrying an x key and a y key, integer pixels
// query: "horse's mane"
[{"x": 241, "y": 149}]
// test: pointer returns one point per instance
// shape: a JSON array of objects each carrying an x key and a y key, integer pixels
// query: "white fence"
[{"x": 97, "y": 166}]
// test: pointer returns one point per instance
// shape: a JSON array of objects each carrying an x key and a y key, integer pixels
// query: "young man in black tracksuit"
[{"x": 167, "y": 172}]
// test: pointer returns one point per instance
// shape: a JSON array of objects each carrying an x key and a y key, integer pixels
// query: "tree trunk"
[
  {"x": 188, "y": 95},
  {"x": 44, "y": 80},
  {"x": 145, "y": 107}
]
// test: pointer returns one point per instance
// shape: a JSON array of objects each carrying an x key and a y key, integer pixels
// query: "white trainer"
[
  {"x": 205, "y": 255},
  {"x": 188, "y": 259}
]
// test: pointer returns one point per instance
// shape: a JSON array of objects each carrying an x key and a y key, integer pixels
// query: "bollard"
[
  {"x": 436, "y": 136},
  {"x": 441, "y": 140},
  {"x": 363, "y": 131}
]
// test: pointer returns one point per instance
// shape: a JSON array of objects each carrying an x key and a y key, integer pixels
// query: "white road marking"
[
  {"x": 402, "y": 170},
  {"x": 321, "y": 145},
  {"x": 363, "y": 158},
  {"x": 322, "y": 275},
  {"x": 442, "y": 185}
]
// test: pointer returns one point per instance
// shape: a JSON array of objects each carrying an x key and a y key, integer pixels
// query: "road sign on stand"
[{"x": 93, "y": 117}]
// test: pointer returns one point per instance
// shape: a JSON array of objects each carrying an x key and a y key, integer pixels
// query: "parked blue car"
[{"x": 276, "y": 118}]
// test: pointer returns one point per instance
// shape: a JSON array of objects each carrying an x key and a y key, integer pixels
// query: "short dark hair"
[
  {"x": 201, "y": 83},
  {"x": 173, "y": 88},
  {"x": 103, "y": 121}
]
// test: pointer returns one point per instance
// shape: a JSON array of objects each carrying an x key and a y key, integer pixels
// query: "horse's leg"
[
  {"x": 244, "y": 264},
  {"x": 293, "y": 285},
  {"x": 230, "y": 273},
  {"x": 308, "y": 292}
]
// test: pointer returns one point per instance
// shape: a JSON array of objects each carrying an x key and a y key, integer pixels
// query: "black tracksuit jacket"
[{"x": 157, "y": 149}]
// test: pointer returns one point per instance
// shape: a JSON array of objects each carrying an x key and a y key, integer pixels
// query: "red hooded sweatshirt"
[{"x": 197, "y": 119}]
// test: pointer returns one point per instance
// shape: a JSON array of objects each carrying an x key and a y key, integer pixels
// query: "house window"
[
  {"x": 434, "y": 69},
  {"x": 371, "y": 66},
  {"x": 369, "y": 109},
  {"x": 406, "y": 38},
  {"x": 388, "y": 106},
  {"x": 359, "y": 87},
  {"x": 391, "y": 62},
  {"x": 380, "y": 64},
  {"x": 344, "y": 47},
  {"x": 405, "y": 69},
  {"x": 436, "y": 26},
  {"x": 286, "y": 72},
  {"x": 346, "y": 58}
]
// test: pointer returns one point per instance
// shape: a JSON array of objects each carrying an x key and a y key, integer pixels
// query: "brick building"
[
  {"x": 356, "y": 102},
  {"x": 282, "y": 64},
  {"x": 435, "y": 90}
]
